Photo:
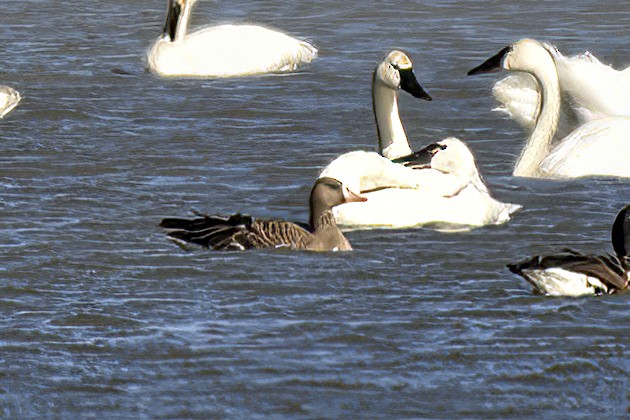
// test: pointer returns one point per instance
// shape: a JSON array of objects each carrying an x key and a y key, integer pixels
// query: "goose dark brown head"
[{"x": 327, "y": 193}]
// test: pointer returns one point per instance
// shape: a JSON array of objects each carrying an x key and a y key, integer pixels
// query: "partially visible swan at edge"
[
  {"x": 600, "y": 147},
  {"x": 572, "y": 273},
  {"x": 9, "y": 99},
  {"x": 589, "y": 90},
  {"x": 223, "y": 51},
  {"x": 445, "y": 191},
  {"x": 439, "y": 184}
]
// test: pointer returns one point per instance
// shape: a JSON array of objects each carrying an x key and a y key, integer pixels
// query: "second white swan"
[
  {"x": 439, "y": 185},
  {"x": 223, "y": 51},
  {"x": 600, "y": 147}
]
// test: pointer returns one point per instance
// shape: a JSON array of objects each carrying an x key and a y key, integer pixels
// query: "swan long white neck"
[
  {"x": 392, "y": 139},
  {"x": 182, "y": 23},
  {"x": 539, "y": 142}
]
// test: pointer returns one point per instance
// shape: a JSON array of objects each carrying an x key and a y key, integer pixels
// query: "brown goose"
[
  {"x": 240, "y": 232},
  {"x": 572, "y": 273}
]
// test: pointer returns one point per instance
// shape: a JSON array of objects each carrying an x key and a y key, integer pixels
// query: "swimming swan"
[
  {"x": 9, "y": 99},
  {"x": 599, "y": 147},
  {"x": 223, "y": 51},
  {"x": 438, "y": 185},
  {"x": 446, "y": 192},
  {"x": 240, "y": 232},
  {"x": 589, "y": 90},
  {"x": 572, "y": 273}
]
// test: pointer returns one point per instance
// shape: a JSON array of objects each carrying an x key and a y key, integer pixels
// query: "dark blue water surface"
[{"x": 102, "y": 316}]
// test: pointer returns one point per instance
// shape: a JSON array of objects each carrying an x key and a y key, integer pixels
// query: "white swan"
[
  {"x": 438, "y": 185},
  {"x": 9, "y": 99},
  {"x": 447, "y": 193},
  {"x": 589, "y": 90},
  {"x": 223, "y": 51},
  {"x": 600, "y": 147}
]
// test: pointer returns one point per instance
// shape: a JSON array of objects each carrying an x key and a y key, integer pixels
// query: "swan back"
[{"x": 223, "y": 51}]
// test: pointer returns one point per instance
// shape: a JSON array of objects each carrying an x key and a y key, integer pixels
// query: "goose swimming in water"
[
  {"x": 240, "y": 232},
  {"x": 600, "y": 147},
  {"x": 9, "y": 99},
  {"x": 223, "y": 51},
  {"x": 572, "y": 273},
  {"x": 439, "y": 185},
  {"x": 445, "y": 191}
]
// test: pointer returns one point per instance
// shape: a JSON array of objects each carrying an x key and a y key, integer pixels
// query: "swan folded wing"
[
  {"x": 517, "y": 95},
  {"x": 596, "y": 89},
  {"x": 607, "y": 269},
  {"x": 366, "y": 171},
  {"x": 245, "y": 49},
  {"x": 519, "y": 98}
]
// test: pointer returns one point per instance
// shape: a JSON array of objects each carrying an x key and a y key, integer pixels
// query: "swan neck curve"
[
  {"x": 392, "y": 140},
  {"x": 538, "y": 144},
  {"x": 182, "y": 24}
]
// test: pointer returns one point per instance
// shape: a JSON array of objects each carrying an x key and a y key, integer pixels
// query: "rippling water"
[{"x": 101, "y": 315}]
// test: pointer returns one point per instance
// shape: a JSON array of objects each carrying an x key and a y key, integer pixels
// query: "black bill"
[
  {"x": 409, "y": 83},
  {"x": 422, "y": 158},
  {"x": 494, "y": 63}
]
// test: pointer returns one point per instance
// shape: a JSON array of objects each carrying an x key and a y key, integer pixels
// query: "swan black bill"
[
  {"x": 422, "y": 158},
  {"x": 491, "y": 65},
  {"x": 409, "y": 83}
]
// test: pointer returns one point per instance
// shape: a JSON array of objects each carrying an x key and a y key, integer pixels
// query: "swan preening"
[
  {"x": 594, "y": 120},
  {"x": 439, "y": 185},
  {"x": 240, "y": 232},
  {"x": 9, "y": 99},
  {"x": 447, "y": 192},
  {"x": 572, "y": 273},
  {"x": 223, "y": 51}
]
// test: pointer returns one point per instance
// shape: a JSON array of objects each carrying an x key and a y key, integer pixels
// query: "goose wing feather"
[
  {"x": 236, "y": 232},
  {"x": 609, "y": 269}
]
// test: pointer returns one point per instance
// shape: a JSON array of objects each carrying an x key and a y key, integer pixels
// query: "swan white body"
[
  {"x": 448, "y": 194},
  {"x": 225, "y": 50},
  {"x": 9, "y": 99},
  {"x": 590, "y": 145}
]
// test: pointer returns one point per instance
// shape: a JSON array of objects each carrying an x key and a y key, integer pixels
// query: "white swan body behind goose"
[
  {"x": 447, "y": 193},
  {"x": 225, "y": 50},
  {"x": 9, "y": 99},
  {"x": 600, "y": 147}
]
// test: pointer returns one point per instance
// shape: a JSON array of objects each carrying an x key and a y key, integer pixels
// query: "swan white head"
[
  {"x": 527, "y": 55},
  {"x": 452, "y": 156},
  {"x": 395, "y": 71}
]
